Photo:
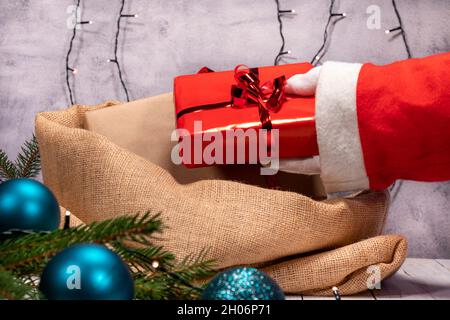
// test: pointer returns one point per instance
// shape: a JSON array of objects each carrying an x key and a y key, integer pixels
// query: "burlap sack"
[{"x": 306, "y": 245}]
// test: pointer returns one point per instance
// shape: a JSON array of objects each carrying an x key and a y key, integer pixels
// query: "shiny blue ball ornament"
[
  {"x": 242, "y": 283},
  {"x": 27, "y": 205},
  {"x": 87, "y": 272}
]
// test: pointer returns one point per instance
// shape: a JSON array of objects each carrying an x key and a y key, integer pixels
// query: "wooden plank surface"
[
  {"x": 360, "y": 296},
  {"x": 444, "y": 262},
  {"x": 317, "y": 298},
  {"x": 416, "y": 279},
  {"x": 292, "y": 297}
]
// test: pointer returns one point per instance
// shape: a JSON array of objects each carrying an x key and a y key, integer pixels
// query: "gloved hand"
[{"x": 303, "y": 85}]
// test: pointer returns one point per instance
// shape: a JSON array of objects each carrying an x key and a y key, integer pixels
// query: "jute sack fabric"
[{"x": 306, "y": 245}]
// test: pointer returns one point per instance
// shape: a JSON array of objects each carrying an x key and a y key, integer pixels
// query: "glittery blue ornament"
[
  {"x": 87, "y": 272},
  {"x": 242, "y": 284},
  {"x": 27, "y": 204}
]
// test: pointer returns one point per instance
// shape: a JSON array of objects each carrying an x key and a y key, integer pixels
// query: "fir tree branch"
[
  {"x": 28, "y": 162},
  {"x": 163, "y": 287},
  {"x": 194, "y": 267},
  {"x": 154, "y": 288},
  {"x": 23, "y": 258},
  {"x": 12, "y": 288},
  {"x": 7, "y": 167},
  {"x": 143, "y": 258},
  {"x": 29, "y": 253},
  {"x": 189, "y": 269}
]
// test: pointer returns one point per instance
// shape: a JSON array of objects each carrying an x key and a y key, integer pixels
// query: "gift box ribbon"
[{"x": 248, "y": 92}]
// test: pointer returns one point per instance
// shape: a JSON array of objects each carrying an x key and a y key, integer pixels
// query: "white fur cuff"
[{"x": 341, "y": 157}]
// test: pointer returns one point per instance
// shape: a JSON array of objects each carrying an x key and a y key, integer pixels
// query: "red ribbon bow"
[
  {"x": 248, "y": 90},
  {"x": 269, "y": 96}
]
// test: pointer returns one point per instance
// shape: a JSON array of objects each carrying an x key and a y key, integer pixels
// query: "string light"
[
  {"x": 400, "y": 28},
  {"x": 336, "y": 293},
  {"x": 85, "y": 22},
  {"x": 70, "y": 69},
  {"x": 74, "y": 70},
  {"x": 67, "y": 220},
  {"x": 282, "y": 51},
  {"x": 317, "y": 57},
  {"x": 322, "y": 50},
  {"x": 287, "y": 11},
  {"x": 115, "y": 60},
  {"x": 339, "y": 14},
  {"x": 393, "y": 29}
]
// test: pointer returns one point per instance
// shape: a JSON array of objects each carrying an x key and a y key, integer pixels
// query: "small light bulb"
[
  {"x": 289, "y": 52},
  {"x": 66, "y": 220},
  {"x": 74, "y": 71},
  {"x": 293, "y": 11},
  {"x": 91, "y": 22},
  {"x": 387, "y": 31},
  {"x": 136, "y": 16},
  {"x": 155, "y": 264},
  {"x": 344, "y": 14},
  {"x": 317, "y": 57},
  {"x": 336, "y": 293}
]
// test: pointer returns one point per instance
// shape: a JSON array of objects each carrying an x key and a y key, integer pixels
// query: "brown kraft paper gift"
[{"x": 307, "y": 246}]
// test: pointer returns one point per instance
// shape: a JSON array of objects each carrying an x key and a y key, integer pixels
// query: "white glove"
[{"x": 303, "y": 85}]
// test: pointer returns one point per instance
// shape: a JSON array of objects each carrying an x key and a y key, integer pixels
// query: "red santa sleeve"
[{"x": 377, "y": 124}]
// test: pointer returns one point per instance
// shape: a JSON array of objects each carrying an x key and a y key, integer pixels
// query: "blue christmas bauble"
[
  {"x": 27, "y": 204},
  {"x": 242, "y": 283},
  {"x": 87, "y": 272}
]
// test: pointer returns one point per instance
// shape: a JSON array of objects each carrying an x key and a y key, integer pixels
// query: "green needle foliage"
[
  {"x": 12, "y": 288},
  {"x": 156, "y": 273},
  {"x": 28, "y": 253},
  {"x": 27, "y": 164},
  {"x": 7, "y": 168}
]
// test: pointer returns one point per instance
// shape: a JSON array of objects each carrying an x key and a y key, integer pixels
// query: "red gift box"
[{"x": 210, "y": 98}]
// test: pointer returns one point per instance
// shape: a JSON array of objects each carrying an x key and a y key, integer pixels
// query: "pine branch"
[
  {"x": 142, "y": 259},
  {"x": 12, "y": 288},
  {"x": 154, "y": 288},
  {"x": 22, "y": 258},
  {"x": 28, "y": 162},
  {"x": 163, "y": 288},
  {"x": 29, "y": 253},
  {"x": 166, "y": 280},
  {"x": 7, "y": 167},
  {"x": 194, "y": 267}
]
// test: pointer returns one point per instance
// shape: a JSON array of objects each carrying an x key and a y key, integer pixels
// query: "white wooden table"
[{"x": 416, "y": 279}]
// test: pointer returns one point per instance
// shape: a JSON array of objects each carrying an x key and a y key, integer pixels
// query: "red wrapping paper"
[{"x": 206, "y": 97}]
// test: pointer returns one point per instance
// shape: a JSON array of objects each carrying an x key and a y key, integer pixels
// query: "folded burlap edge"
[
  {"x": 393, "y": 249},
  {"x": 363, "y": 256}
]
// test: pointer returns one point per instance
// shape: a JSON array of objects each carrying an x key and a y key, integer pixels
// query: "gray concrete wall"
[{"x": 173, "y": 37}]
